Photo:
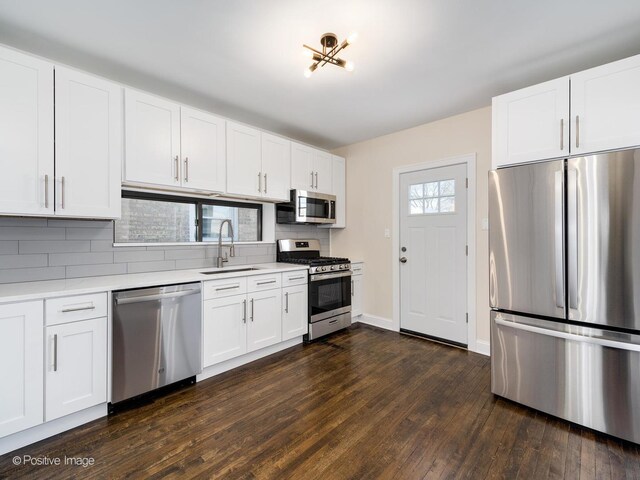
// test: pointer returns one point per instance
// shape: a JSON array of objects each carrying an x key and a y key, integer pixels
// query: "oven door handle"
[{"x": 325, "y": 276}]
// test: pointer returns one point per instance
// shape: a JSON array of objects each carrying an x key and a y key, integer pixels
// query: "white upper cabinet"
[
  {"x": 26, "y": 138},
  {"x": 276, "y": 167},
  {"x": 203, "y": 150},
  {"x": 88, "y": 145},
  {"x": 531, "y": 124},
  {"x": 244, "y": 162},
  {"x": 605, "y": 107},
  {"x": 152, "y": 139},
  {"x": 310, "y": 169}
]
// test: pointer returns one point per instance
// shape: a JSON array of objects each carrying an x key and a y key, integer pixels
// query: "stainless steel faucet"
[{"x": 232, "y": 251}]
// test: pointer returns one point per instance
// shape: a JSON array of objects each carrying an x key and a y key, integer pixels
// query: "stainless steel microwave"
[{"x": 307, "y": 207}]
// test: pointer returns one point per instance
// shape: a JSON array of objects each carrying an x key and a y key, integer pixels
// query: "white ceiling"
[{"x": 416, "y": 60}]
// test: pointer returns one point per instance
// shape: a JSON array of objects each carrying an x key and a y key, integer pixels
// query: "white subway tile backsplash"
[
  {"x": 23, "y": 261},
  {"x": 31, "y": 233},
  {"x": 22, "y": 222},
  {"x": 141, "y": 267},
  {"x": 54, "y": 246},
  {"x": 184, "y": 254},
  {"x": 195, "y": 263},
  {"x": 15, "y": 275},
  {"x": 98, "y": 233},
  {"x": 137, "y": 256},
  {"x": 77, "y": 271},
  {"x": 9, "y": 247},
  {"x": 91, "y": 258}
]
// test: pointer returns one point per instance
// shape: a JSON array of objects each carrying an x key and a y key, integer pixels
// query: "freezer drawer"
[
  {"x": 585, "y": 375},
  {"x": 526, "y": 239}
]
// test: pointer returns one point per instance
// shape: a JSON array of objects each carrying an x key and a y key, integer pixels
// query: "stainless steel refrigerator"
[{"x": 564, "y": 289}]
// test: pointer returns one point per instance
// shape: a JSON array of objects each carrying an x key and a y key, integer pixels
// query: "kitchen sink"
[{"x": 231, "y": 270}]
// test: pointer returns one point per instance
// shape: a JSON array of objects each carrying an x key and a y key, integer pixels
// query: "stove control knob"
[
  {"x": 333, "y": 267},
  {"x": 321, "y": 269},
  {"x": 345, "y": 266}
]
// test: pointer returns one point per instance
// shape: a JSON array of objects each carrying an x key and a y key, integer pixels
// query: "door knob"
[{"x": 403, "y": 260}]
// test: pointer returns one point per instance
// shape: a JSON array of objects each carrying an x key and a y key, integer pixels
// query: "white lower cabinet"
[
  {"x": 265, "y": 319},
  {"x": 356, "y": 289},
  {"x": 295, "y": 311},
  {"x": 21, "y": 375},
  {"x": 225, "y": 329},
  {"x": 76, "y": 367}
]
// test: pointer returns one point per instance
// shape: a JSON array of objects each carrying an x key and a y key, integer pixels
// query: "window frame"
[{"x": 198, "y": 203}]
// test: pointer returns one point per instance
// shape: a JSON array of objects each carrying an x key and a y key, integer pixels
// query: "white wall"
[{"x": 369, "y": 201}]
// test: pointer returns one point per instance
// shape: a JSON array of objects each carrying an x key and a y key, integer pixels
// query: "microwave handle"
[{"x": 330, "y": 209}]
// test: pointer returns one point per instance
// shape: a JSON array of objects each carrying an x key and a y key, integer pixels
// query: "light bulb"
[
  {"x": 349, "y": 66},
  {"x": 352, "y": 38},
  {"x": 307, "y": 72},
  {"x": 307, "y": 53}
]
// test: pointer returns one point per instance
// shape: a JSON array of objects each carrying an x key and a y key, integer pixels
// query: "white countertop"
[{"x": 16, "y": 292}]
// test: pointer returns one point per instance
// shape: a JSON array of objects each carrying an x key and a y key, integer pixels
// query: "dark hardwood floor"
[{"x": 364, "y": 404}]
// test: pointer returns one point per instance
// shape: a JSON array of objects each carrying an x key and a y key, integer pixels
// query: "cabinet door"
[
  {"x": 322, "y": 166},
  {"x": 356, "y": 295},
  {"x": 339, "y": 190},
  {"x": 265, "y": 319},
  {"x": 152, "y": 139},
  {"x": 244, "y": 174},
  {"x": 26, "y": 141},
  {"x": 225, "y": 329},
  {"x": 276, "y": 167},
  {"x": 76, "y": 367},
  {"x": 89, "y": 124},
  {"x": 21, "y": 375},
  {"x": 605, "y": 107},
  {"x": 295, "y": 312},
  {"x": 203, "y": 147},
  {"x": 531, "y": 124},
  {"x": 302, "y": 177}
]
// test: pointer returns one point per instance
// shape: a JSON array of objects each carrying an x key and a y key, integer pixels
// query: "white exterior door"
[
  {"x": 265, "y": 319},
  {"x": 224, "y": 329},
  {"x": 276, "y": 167},
  {"x": 323, "y": 173},
  {"x": 21, "y": 375},
  {"x": 26, "y": 141},
  {"x": 88, "y": 145},
  {"x": 532, "y": 123},
  {"x": 244, "y": 163},
  {"x": 302, "y": 177},
  {"x": 295, "y": 312},
  {"x": 605, "y": 107},
  {"x": 203, "y": 149},
  {"x": 152, "y": 139},
  {"x": 433, "y": 269},
  {"x": 76, "y": 367}
]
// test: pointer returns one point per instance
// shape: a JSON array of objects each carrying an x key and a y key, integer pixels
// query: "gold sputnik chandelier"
[{"x": 329, "y": 53}]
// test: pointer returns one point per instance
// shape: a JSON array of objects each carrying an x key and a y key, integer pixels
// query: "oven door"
[
  {"x": 314, "y": 207},
  {"x": 329, "y": 295}
]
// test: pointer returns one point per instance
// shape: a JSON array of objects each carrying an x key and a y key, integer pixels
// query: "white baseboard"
[
  {"x": 227, "y": 365},
  {"x": 49, "y": 429},
  {"x": 376, "y": 321},
  {"x": 483, "y": 347}
]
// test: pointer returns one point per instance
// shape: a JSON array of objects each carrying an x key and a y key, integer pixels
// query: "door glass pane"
[
  {"x": 431, "y": 205},
  {"x": 447, "y": 187},
  {"x": 152, "y": 221},
  {"x": 416, "y": 207},
  {"x": 431, "y": 189},
  {"x": 416, "y": 191},
  {"x": 447, "y": 204}
]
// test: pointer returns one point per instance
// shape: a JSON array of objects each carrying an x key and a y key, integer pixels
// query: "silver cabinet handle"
[
  {"x": 186, "y": 169},
  {"x": 352, "y": 288},
  {"x": 265, "y": 183},
  {"x": 227, "y": 288},
  {"x": 78, "y": 309},
  {"x": 311, "y": 179},
  {"x": 559, "y": 238},
  {"x": 62, "y": 193},
  {"x": 572, "y": 236},
  {"x": 260, "y": 182},
  {"x": 266, "y": 283},
  {"x": 252, "y": 309},
  {"x": 577, "y": 131},
  {"x": 316, "y": 180},
  {"x": 55, "y": 352},
  {"x": 177, "y": 162},
  {"x": 244, "y": 311},
  {"x": 562, "y": 134},
  {"x": 286, "y": 302},
  {"x": 295, "y": 278},
  {"x": 46, "y": 191}
]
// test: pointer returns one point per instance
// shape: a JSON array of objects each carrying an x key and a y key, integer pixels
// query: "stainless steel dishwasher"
[{"x": 156, "y": 338}]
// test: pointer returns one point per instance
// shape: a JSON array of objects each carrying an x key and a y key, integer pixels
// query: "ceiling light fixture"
[{"x": 329, "y": 53}]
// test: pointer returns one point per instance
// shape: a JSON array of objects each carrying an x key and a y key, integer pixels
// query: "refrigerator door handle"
[
  {"x": 558, "y": 238},
  {"x": 602, "y": 341},
  {"x": 572, "y": 236}
]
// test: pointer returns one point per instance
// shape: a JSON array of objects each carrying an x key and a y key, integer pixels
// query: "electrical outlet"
[{"x": 387, "y": 233}]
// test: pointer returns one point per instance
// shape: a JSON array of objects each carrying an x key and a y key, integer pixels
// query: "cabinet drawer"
[
  {"x": 298, "y": 277},
  {"x": 257, "y": 283},
  {"x": 73, "y": 309},
  {"x": 357, "y": 268},
  {"x": 224, "y": 287}
]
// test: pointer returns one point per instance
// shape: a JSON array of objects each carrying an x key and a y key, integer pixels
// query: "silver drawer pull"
[
  {"x": 295, "y": 278},
  {"x": 227, "y": 288},
  {"x": 266, "y": 283},
  {"x": 78, "y": 309},
  {"x": 333, "y": 321},
  {"x": 55, "y": 352}
]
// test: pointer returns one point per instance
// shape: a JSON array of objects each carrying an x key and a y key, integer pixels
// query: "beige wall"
[{"x": 369, "y": 201}]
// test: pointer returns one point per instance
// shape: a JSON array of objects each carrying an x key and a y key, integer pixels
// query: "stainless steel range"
[{"x": 329, "y": 285}]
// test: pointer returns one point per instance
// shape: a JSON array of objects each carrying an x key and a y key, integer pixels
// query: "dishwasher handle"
[{"x": 150, "y": 298}]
